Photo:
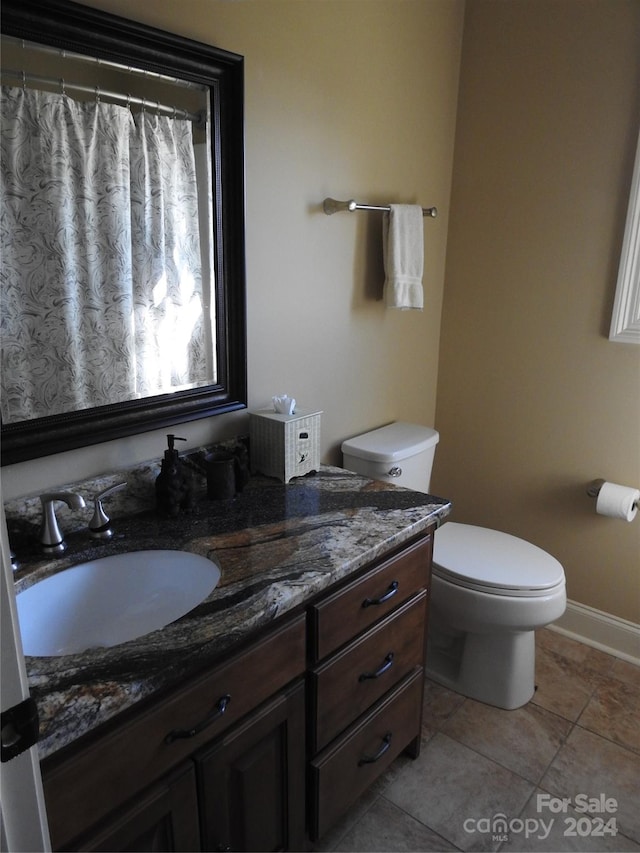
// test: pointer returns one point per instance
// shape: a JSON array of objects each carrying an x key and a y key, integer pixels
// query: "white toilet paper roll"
[{"x": 617, "y": 501}]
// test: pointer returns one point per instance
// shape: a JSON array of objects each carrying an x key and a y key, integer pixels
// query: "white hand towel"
[{"x": 403, "y": 250}]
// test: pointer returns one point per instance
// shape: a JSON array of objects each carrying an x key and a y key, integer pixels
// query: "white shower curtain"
[{"x": 101, "y": 268}]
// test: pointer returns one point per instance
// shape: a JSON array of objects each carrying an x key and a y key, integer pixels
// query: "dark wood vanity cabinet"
[
  {"x": 270, "y": 746},
  {"x": 368, "y": 642},
  {"x": 163, "y": 818},
  {"x": 245, "y": 791},
  {"x": 169, "y": 777},
  {"x": 251, "y": 782}
]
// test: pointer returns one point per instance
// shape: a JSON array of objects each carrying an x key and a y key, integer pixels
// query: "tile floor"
[{"x": 578, "y": 738}]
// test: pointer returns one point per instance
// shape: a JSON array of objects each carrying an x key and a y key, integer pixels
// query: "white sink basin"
[{"x": 112, "y": 600}]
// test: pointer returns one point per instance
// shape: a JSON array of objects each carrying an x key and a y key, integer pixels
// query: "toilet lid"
[{"x": 481, "y": 558}]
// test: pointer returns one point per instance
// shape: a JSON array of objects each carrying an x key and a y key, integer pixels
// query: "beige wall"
[
  {"x": 357, "y": 98},
  {"x": 533, "y": 400},
  {"x": 343, "y": 98}
]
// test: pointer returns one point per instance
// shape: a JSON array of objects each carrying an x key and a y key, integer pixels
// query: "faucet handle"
[
  {"x": 100, "y": 524},
  {"x": 51, "y": 538}
]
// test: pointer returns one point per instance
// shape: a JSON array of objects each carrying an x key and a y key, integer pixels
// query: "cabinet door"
[
  {"x": 251, "y": 783},
  {"x": 163, "y": 818}
]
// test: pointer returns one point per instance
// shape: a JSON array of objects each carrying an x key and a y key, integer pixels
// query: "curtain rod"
[
  {"x": 175, "y": 112},
  {"x": 62, "y": 53},
  {"x": 332, "y": 205}
]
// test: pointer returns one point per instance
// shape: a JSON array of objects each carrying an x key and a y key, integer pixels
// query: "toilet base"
[{"x": 498, "y": 669}]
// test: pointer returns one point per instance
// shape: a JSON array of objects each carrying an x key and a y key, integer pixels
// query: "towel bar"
[{"x": 332, "y": 205}]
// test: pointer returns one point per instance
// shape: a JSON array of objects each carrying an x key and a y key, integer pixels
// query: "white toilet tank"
[{"x": 398, "y": 453}]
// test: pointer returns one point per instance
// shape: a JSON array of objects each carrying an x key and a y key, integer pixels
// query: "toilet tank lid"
[
  {"x": 392, "y": 442},
  {"x": 493, "y": 559}
]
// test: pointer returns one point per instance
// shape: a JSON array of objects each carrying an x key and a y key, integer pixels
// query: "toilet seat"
[{"x": 493, "y": 562}]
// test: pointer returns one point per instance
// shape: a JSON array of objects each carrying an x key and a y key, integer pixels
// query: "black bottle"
[{"x": 174, "y": 491}]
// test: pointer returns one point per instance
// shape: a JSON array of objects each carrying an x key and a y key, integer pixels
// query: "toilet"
[{"x": 490, "y": 590}]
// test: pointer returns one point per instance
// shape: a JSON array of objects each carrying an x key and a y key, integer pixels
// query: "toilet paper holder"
[{"x": 593, "y": 489}]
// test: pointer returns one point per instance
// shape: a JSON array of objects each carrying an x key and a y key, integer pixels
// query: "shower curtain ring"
[{"x": 97, "y": 94}]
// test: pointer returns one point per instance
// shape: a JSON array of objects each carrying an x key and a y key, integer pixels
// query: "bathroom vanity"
[{"x": 257, "y": 719}]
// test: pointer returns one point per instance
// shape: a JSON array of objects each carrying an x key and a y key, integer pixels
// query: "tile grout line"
[
  {"x": 634, "y": 752},
  {"x": 417, "y": 820}
]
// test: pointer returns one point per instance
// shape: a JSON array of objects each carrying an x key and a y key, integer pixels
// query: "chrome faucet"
[
  {"x": 51, "y": 538},
  {"x": 100, "y": 524}
]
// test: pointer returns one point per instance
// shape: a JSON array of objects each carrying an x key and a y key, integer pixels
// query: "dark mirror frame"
[{"x": 70, "y": 26}]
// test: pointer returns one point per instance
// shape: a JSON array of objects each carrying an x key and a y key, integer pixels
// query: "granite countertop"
[{"x": 277, "y": 545}]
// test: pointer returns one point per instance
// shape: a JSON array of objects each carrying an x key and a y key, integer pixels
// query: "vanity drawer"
[
  {"x": 353, "y": 762},
  {"x": 83, "y": 788},
  {"x": 353, "y": 679},
  {"x": 337, "y": 618}
]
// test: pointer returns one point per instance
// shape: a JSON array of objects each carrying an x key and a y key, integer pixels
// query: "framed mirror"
[{"x": 122, "y": 226}]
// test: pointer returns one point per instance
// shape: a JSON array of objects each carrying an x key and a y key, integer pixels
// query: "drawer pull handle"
[
  {"x": 221, "y": 706},
  {"x": 393, "y": 588},
  {"x": 388, "y": 663},
  {"x": 371, "y": 759}
]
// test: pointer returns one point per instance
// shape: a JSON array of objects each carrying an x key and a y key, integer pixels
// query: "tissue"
[{"x": 284, "y": 405}]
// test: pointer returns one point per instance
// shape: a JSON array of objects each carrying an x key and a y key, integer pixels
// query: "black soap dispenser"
[{"x": 174, "y": 491}]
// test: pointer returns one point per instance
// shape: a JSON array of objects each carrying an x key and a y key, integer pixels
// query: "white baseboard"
[{"x": 601, "y": 630}]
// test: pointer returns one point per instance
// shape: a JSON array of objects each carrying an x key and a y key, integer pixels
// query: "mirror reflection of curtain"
[{"x": 101, "y": 267}]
